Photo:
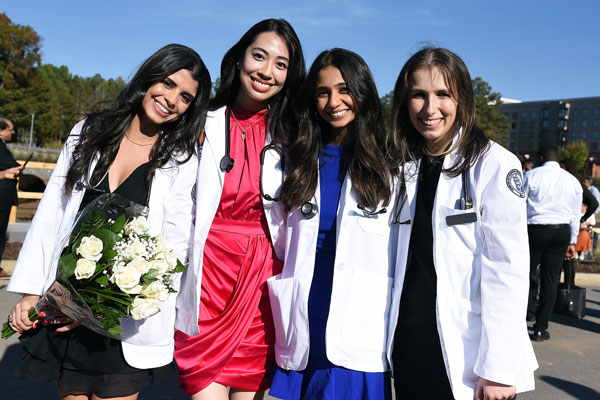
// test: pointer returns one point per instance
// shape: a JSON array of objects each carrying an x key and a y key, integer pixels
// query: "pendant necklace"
[{"x": 248, "y": 128}]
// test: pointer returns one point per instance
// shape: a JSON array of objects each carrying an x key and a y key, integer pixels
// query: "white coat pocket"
[
  {"x": 377, "y": 224},
  {"x": 365, "y": 319},
  {"x": 284, "y": 295},
  {"x": 457, "y": 230}
]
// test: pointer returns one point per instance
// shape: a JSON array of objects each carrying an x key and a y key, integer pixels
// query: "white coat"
[
  {"x": 355, "y": 336},
  {"x": 146, "y": 343},
  {"x": 482, "y": 274},
  {"x": 209, "y": 186}
]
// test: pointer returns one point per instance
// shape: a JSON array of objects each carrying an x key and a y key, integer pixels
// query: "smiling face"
[
  {"x": 263, "y": 70},
  {"x": 333, "y": 100},
  {"x": 432, "y": 108},
  {"x": 169, "y": 99}
]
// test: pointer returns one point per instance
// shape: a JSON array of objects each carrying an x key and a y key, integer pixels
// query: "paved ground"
[{"x": 569, "y": 362}]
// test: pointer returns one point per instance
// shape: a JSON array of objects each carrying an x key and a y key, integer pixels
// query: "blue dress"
[{"x": 321, "y": 379}]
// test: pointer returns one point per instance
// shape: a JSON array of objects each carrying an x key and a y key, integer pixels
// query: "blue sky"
[{"x": 527, "y": 50}]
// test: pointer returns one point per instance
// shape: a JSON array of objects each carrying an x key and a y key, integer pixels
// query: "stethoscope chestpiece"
[
  {"x": 308, "y": 210},
  {"x": 226, "y": 163}
]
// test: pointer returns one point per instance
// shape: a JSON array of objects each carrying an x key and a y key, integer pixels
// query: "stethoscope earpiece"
[
  {"x": 226, "y": 163},
  {"x": 308, "y": 210}
]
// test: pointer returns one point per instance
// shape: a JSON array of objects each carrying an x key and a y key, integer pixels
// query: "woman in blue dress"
[{"x": 331, "y": 301}]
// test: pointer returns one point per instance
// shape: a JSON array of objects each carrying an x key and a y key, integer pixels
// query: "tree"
[
  {"x": 576, "y": 151},
  {"x": 19, "y": 52},
  {"x": 487, "y": 111},
  {"x": 386, "y": 110}
]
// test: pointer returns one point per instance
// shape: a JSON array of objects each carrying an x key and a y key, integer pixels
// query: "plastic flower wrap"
[{"x": 111, "y": 267}]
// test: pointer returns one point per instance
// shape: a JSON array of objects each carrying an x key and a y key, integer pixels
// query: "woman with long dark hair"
[
  {"x": 144, "y": 148},
  {"x": 331, "y": 301},
  {"x": 226, "y": 331},
  {"x": 457, "y": 324}
]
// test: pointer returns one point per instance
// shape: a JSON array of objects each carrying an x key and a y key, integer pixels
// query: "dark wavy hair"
[
  {"x": 410, "y": 144},
  {"x": 369, "y": 164},
  {"x": 282, "y": 122},
  {"x": 103, "y": 130}
]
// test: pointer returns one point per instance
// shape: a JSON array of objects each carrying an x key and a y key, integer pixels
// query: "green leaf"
[
  {"x": 179, "y": 268},
  {"x": 108, "y": 255},
  {"x": 119, "y": 224},
  {"x": 150, "y": 276},
  {"x": 102, "y": 281},
  {"x": 115, "y": 329},
  {"x": 103, "y": 293},
  {"x": 66, "y": 266},
  {"x": 108, "y": 237}
]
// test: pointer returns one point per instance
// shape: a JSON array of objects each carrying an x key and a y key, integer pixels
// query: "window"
[
  {"x": 595, "y": 134},
  {"x": 573, "y": 124},
  {"x": 522, "y": 124},
  {"x": 524, "y": 114},
  {"x": 584, "y": 123},
  {"x": 545, "y": 123},
  {"x": 546, "y": 113},
  {"x": 512, "y": 145},
  {"x": 531, "y": 124},
  {"x": 584, "y": 112},
  {"x": 531, "y": 135},
  {"x": 573, "y": 135},
  {"x": 575, "y": 111},
  {"x": 513, "y": 135},
  {"x": 596, "y": 111},
  {"x": 594, "y": 146},
  {"x": 596, "y": 123},
  {"x": 561, "y": 123},
  {"x": 583, "y": 134},
  {"x": 521, "y": 135},
  {"x": 562, "y": 112},
  {"x": 534, "y": 114},
  {"x": 513, "y": 125},
  {"x": 515, "y": 115}
]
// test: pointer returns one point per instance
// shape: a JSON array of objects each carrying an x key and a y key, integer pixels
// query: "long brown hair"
[
  {"x": 369, "y": 165},
  {"x": 409, "y": 142}
]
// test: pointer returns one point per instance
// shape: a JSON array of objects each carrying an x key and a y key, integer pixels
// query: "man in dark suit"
[{"x": 9, "y": 170}]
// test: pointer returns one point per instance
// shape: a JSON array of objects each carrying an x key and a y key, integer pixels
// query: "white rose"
[
  {"x": 127, "y": 279},
  {"x": 136, "y": 248},
  {"x": 90, "y": 248},
  {"x": 161, "y": 265},
  {"x": 85, "y": 268},
  {"x": 138, "y": 225},
  {"x": 143, "y": 308},
  {"x": 169, "y": 258},
  {"x": 156, "y": 290},
  {"x": 140, "y": 264},
  {"x": 161, "y": 244}
]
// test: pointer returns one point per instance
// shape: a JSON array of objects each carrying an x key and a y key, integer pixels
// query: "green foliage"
[
  {"x": 386, "y": 110},
  {"x": 67, "y": 264},
  {"x": 487, "y": 111},
  {"x": 57, "y": 98},
  {"x": 576, "y": 151}
]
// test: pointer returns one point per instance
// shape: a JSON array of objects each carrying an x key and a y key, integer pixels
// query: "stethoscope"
[
  {"x": 226, "y": 164},
  {"x": 85, "y": 185},
  {"x": 466, "y": 203}
]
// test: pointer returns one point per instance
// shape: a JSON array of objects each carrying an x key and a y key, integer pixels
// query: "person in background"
[
  {"x": 589, "y": 183},
  {"x": 584, "y": 242},
  {"x": 144, "y": 149},
  {"x": 554, "y": 199},
  {"x": 226, "y": 335},
  {"x": 457, "y": 322},
  {"x": 9, "y": 171},
  {"x": 331, "y": 336},
  {"x": 527, "y": 165}
]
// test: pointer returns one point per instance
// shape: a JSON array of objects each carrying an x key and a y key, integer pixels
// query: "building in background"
[{"x": 556, "y": 122}]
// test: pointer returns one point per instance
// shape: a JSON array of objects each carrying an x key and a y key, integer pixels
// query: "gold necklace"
[
  {"x": 248, "y": 128},
  {"x": 138, "y": 144}
]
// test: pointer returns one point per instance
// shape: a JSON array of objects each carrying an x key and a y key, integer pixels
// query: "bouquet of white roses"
[{"x": 110, "y": 268}]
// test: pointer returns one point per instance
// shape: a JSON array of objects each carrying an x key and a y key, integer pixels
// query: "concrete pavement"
[{"x": 569, "y": 361}]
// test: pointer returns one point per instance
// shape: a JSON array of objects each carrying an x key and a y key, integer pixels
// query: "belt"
[{"x": 548, "y": 226}]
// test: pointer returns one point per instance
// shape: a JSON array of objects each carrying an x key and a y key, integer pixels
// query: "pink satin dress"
[{"x": 235, "y": 344}]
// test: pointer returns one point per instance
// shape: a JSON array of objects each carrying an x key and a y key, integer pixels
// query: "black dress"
[
  {"x": 82, "y": 360},
  {"x": 419, "y": 371}
]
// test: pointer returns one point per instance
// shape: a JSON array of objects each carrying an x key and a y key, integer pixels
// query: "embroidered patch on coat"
[{"x": 514, "y": 181}]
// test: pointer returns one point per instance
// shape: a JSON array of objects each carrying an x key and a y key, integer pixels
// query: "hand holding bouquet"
[{"x": 110, "y": 269}]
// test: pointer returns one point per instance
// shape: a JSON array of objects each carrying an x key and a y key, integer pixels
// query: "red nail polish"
[
  {"x": 35, "y": 324},
  {"x": 42, "y": 314},
  {"x": 20, "y": 331}
]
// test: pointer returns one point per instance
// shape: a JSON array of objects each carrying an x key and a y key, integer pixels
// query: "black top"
[
  {"x": 419, "y": 370},
  {"x": 8, "y": 187},
  {"x": 133, "y": 188}
]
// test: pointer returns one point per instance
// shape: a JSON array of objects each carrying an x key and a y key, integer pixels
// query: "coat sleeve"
[
  {"x": 505, "y": 350},
  {"x": 34, "y": 264}
]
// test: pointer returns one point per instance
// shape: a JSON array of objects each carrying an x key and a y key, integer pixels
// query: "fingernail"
[
  {"x": 45, "y": 322},
  {"x": 20, "y": 331},
  {"x": 42, "y": 314},
  {"x": 35, "y": 324}
]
